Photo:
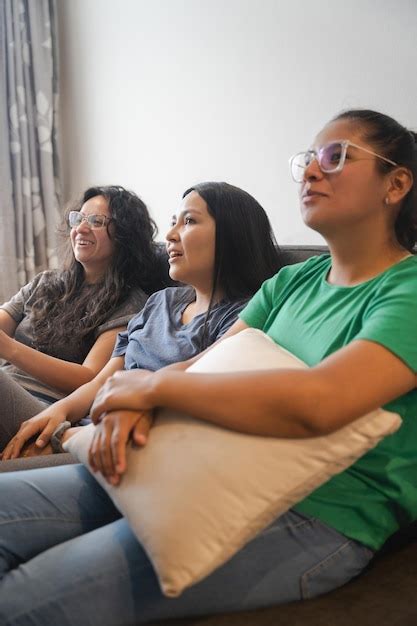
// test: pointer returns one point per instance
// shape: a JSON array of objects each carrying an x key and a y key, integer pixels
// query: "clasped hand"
[
  {"x": 120, "y": 412},
  {"x": 42, "y": 426},
  {"x": 124, "y": 390},
  {"x": 107, "y": 452}
]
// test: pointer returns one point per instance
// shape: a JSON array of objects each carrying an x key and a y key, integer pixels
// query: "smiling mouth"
[
  {"x": 174, "y": 255},
  {"x": 84, "y": 242}
]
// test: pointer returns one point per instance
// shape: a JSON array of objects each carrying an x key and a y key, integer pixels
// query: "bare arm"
[
  {"x": 7, "y": 323},
  {"x": 57, "y": 373},
  {"x": 280, "y": 403}
]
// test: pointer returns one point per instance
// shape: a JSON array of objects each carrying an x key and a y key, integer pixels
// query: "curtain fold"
[{"x": 29, "y": 166}]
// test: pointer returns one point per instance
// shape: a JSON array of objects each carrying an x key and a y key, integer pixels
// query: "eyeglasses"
[
  {"x": 330, "y": 157},
  {"x": 75, "y": 218}
]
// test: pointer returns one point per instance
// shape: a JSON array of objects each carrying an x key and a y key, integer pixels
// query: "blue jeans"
[{"x": 67, "y": 557}]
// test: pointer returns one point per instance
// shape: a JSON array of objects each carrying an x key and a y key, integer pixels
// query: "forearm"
[
  {"x": 278, "y": 404},
  {"x": 57, "y": 373},
  {"x": 77, "y": 405}
]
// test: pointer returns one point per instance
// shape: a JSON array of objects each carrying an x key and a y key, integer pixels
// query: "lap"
[
  {"x": 17, "y": 405},
  {"x": 102, "y": 565}
]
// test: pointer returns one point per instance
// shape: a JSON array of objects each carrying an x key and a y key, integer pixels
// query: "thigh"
[
  {"x": 17, "y": 405},
  {"x": 107, "y": 569},
  {"x": 43, "y": 507}
]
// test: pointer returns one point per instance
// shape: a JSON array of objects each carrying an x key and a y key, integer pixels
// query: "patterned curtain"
[{"x": 29, "y": 164}]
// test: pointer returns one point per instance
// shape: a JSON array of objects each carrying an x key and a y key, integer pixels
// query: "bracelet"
[{"x": 56, "y": 437}]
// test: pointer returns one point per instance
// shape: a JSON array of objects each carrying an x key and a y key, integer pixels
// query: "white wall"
[{"x": 160, "y": 94}]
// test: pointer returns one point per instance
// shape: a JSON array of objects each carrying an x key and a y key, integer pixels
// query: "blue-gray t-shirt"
[{"x": 157, "y": 337}]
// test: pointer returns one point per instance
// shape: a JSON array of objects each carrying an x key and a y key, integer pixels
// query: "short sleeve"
[
  {"x": 223, "y": 317},
  {"x": 136, "y": 322},
  {"x": 121, "y": 344},
  {"x": 16, "y": 306},
  {"x": 267, "y": 298},
  {"x": 391, "y": 317},
  {"x": 257, "y": 310}
]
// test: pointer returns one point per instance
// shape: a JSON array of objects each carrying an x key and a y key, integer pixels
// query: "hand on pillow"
[
  {"x": 120, "y": 391},
  {"x": 107, "y": 453}
]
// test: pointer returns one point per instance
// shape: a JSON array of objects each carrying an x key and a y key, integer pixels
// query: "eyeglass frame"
[
  {"x": 345, "y": 143},
  {"x": 87, "y": 218}
]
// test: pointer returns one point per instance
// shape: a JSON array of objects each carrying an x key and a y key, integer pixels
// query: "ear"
[{"x": 400, "y": 182}]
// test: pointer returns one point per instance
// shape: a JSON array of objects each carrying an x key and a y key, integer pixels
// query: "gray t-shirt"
[
  {"x": 157, "y": 337},
  {"x": 19, "y": 308}
]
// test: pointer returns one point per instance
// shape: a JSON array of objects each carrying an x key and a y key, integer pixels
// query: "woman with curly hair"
[{"x": 59, "y": 330}]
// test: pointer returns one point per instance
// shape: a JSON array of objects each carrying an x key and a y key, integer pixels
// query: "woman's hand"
[
  {"x": 123, "y": 390},
  {"x": 43, "y": 423},
  {"x": 107, "y": 452}
]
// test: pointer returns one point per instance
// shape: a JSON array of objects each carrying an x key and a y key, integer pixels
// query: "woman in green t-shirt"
[{"x": 342, "y": 314}]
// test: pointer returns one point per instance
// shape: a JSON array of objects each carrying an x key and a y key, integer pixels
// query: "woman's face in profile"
[
  {"x": 191, "y": 243},
  {"x": 346, "y": 198}
]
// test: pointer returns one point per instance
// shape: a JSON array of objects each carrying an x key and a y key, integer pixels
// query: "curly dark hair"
[
  {"x": 68, "y": 309},
  {"x": 397, "y": 143}
]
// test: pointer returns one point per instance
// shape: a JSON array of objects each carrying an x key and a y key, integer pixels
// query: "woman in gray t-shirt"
[
  {"x": 222, "y": 246},
  {"x": 58, "y": 331}
]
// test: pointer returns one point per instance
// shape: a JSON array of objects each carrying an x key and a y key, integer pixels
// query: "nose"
[
  {"x": 83, "y": 225},
  {"x": 172, "y": 234},
  {"x": 313, "y": 171}
]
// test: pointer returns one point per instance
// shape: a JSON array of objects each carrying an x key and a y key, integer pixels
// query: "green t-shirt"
[{"x": 302, "y": 312}]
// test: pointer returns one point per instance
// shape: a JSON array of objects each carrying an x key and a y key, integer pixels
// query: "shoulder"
[
  {"x": 406, "y": 269},
  {"x": 400, "y": 279},
  {"x": 123, "y": 314},
  {"x": 40, "y": 280},
  {"x": 227, "y": 307},
  {"x": 172, "y": 296},
  {"x": 161, "y": 304},
  {"x": 395, "y": 292},
  {"x": 48, "y": 277},
  {"x": 312, "y": 265},
  {"x": 293, "y": 275},
  {"x": 134, "y": 301}
]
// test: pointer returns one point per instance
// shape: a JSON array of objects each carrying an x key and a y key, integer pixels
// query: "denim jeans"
[{"x": 67, "y": 557}]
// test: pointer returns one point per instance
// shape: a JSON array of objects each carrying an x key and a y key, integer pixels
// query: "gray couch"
[{"x": 382, "y": 595}]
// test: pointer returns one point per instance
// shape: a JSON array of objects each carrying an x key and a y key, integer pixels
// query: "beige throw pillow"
[{"x": 198, "y": 492}]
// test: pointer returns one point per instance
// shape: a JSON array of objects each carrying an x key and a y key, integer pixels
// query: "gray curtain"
[{"x": 29, "y": 164}]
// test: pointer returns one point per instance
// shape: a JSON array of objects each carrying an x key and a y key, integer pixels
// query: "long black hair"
[
  {"x": 66, "y": 308},
  {"x": 246, "y": 253},
  {"x": 397, "y": 143}
]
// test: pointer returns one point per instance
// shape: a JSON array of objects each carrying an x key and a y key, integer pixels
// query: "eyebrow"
[{"x": 184, "y": 212}]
